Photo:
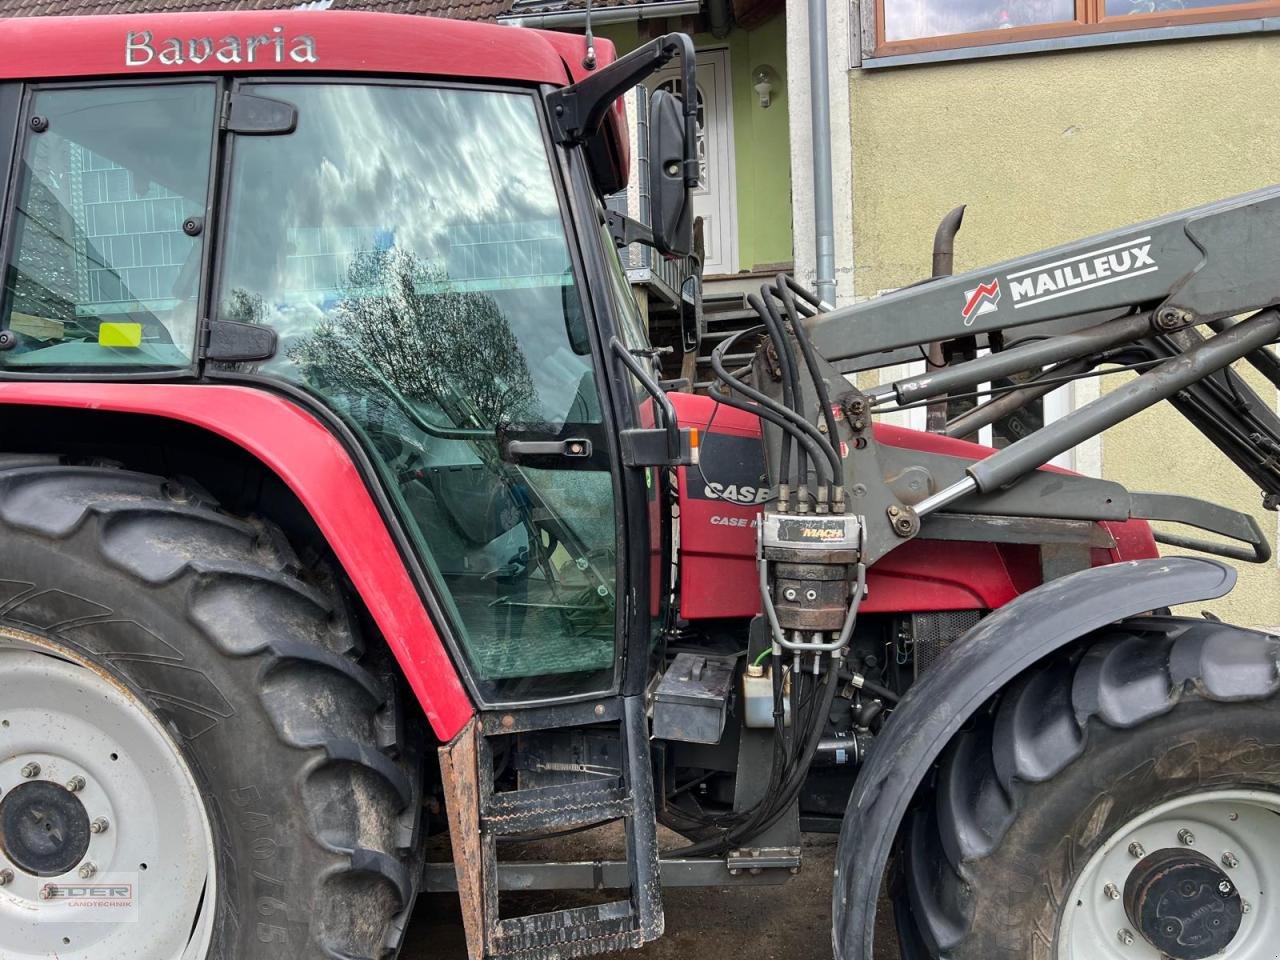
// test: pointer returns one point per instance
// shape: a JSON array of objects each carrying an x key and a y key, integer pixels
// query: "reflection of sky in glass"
[
  {"x": 1119, "y": 8},
  {"x": 911, "y": 19},
  {"x": 433, "y": 171},
  {"x": 458, "y": 178},
  {"x": 99, "y": 234}
]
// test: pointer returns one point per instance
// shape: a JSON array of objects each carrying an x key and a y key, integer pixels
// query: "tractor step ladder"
[{"x": 479, "y": 817}]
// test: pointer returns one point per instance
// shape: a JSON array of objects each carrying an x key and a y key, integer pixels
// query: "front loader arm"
[
  {"x": 1144, "y": 297},
  {"x": 1202, "y": 264}
]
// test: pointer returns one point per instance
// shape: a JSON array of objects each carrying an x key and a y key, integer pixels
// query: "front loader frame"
[{"x": 1136, "y": 297}]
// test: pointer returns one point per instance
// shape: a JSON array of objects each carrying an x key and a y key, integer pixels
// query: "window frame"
[
  {"x": 9, "y": 193},
  {"x": 1090, "y": 19}
]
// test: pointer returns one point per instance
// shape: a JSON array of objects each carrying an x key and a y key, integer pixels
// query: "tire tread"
[
  {"x": 245, "y": 591},
  {"x": 1123, "y": 677}
]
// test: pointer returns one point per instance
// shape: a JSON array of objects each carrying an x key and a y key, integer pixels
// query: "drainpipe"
[
  {"x": 720, "y": 18},
  {"x": 820, "y": 116}
]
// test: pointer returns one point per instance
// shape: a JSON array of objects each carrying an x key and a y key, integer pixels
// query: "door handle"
[{"x": 573, "y": 448}]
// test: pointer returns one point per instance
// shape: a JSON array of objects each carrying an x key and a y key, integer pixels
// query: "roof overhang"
[{"x": 551, "y": 15}]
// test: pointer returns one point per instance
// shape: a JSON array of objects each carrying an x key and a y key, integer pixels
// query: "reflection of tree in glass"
[
  {"x": 451, "y": 348},
  {"x": 245, "y": 307},
  {"x": 1024, "y": 13}
]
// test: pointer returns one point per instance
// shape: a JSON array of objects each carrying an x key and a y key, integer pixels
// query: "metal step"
[
  {"x": 740, "y": 318},
  {"x": 731, "y": 360},
  {"x": 717, "y": 300},
  {"x": 579, "y": 932},
  {"x": 546, "y": 809},
  {"x": 479, "y": 816}
]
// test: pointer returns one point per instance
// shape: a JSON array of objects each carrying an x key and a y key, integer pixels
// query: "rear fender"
[
  {"x": 307, "y": 456},
  {"x": 976, "y": 667}
]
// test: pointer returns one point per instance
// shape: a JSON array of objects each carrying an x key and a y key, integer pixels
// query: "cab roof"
[{"x": 258, "y": 41}]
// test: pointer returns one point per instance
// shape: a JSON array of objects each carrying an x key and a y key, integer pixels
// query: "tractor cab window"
[
  {"x": 406, "y": 244},
  {"x": 104, "y": 268}
]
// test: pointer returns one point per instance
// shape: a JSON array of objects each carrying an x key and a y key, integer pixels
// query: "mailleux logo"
[
  {"x": 984, "y": 298},
  {"x": 1085, "y": 271}
]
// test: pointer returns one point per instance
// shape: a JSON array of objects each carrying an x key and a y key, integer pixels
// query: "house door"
[{"x": 715, "y": 197}]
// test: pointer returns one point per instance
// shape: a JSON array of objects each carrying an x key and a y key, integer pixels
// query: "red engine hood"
[{"x": 720, "y": 504}]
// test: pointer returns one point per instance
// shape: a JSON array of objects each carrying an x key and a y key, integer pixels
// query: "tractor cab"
[{"x": 426, "y": 261}]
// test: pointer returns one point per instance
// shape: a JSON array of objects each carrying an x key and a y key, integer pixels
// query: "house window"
[{"x": 906, "y": 26}]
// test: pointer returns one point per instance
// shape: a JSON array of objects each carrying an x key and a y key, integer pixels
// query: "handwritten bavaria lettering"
[{"x": 141, "y": 47}]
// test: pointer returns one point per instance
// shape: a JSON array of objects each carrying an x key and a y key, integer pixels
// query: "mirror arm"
[
  {"x": 578, "y": 109},
  {"x": 626, "y": 231},
  {"x": 663, "y": 445}
]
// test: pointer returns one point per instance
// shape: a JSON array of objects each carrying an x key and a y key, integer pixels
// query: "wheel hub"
[
  {"x": 1189, "y": 878},
  {"x": 95, "y": 790},
  {"x": 44, "y": 828},
  {"x": 1183, "y": 904}
]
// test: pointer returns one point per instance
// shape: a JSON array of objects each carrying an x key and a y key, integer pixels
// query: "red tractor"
[{"x": 342, "y": 503}]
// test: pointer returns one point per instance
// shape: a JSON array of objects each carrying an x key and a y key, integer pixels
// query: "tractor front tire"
[
  {"x": 188, "y": 714},
  {"x": 1117, "y": 802}
]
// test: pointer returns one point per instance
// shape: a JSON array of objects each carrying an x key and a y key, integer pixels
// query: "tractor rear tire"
[
  {"x": 149, "y": 640},
  {"x": 1100, "y": 774}
]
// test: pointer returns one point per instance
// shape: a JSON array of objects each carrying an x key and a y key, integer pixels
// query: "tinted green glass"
[
  {"x": 101, "y": 273},
  {"x": 407, "y": 245}
]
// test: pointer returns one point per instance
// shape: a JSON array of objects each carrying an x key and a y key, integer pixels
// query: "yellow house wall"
[{"x": 1048, "y": 148}]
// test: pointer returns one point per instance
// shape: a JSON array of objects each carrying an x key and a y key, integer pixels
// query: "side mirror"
[{"x": 670, "y": 200}]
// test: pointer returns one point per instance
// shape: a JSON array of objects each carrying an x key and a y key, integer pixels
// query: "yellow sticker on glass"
[{"x": 120, "y": 334}]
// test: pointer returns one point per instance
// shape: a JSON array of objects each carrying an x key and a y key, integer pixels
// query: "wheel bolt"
[
  {"x": 1137, "y": 850},
  {"x": 1112, "y": 891},
  {"x": 6, "y": 877},
  {"x": 31, "y": 770},
  {"x": 46, "y": 893},
  {"x": 1224, "y": 887},
  {"x": 99, "y": 825},
  {"x": 1245, "y": 906},
  {"x": 1230, "y": 860},
  {"x": 88, "y": 869},
  {"x": 1186, "y": 837},
  {"x": 75, "y": 784},
  {"x": 1126, "y": 937}
]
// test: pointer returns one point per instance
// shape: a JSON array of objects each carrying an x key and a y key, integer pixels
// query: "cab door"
[{"x": 408, "y": 243}]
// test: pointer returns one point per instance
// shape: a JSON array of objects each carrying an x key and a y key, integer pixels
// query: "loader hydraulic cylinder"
[
  {"x": 1028, "y": 356},
  {"x": 1144, "y": 391}
]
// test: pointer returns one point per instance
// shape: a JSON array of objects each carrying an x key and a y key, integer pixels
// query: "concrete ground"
[{"x": 791, "y": 921}]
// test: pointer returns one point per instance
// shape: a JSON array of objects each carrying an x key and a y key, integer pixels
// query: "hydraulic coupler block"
[{"x": 812, "y": 563}]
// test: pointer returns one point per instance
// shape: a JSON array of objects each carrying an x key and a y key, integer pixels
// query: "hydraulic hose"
[
  {"x": 808, "y": 297},
  {"x": 772, "y": 812},
  {"x": 811, "y": 361},
  {"x": 765, "y": 413},
  {"x": 778, "y": 332},
  {"x": 717, "y": 364},
  {"x": 789, "y": 381}
]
